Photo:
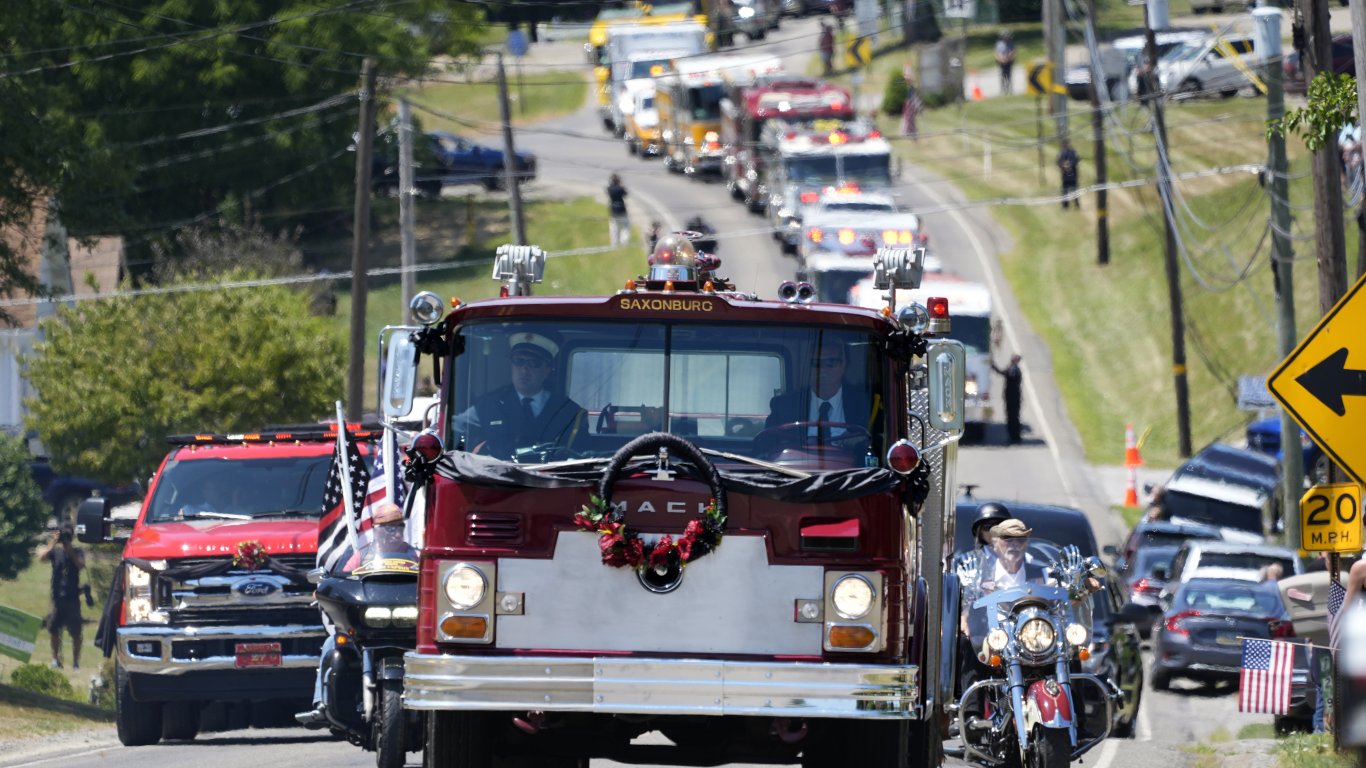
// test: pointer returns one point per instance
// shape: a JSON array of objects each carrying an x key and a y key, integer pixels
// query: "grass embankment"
[
  {"x": 471, "y": 106},
  {"x": 464, "y": 233},
  {"x": 1108, "y": 327}
]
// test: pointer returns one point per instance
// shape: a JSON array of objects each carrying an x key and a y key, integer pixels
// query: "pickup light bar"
[{"x": 299, "y": 435}]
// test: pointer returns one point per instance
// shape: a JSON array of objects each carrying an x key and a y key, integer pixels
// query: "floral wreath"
[
  {"x": 250, "y": 555},
  {"x": 623, "y": 548}
]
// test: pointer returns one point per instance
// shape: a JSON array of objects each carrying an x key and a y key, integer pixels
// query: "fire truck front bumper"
[{"x": 615, "y": 685}]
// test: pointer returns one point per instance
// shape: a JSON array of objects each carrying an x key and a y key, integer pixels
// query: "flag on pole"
[
  {"x": 1336, "y": 595},
  {"x": 1264, "y": 685},
  {"x": 385, "y": 485},
  {"x": 343, "y": 497}
]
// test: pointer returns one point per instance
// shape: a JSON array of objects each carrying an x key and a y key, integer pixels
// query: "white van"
[{"x": 1242, "y": 513}]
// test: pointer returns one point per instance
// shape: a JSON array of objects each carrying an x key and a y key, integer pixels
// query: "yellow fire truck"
[{"x": 688, "y": 100}]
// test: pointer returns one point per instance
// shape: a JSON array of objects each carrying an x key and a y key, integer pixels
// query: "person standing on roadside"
[
  {"x": 619, "y": 227},
  {"x": 1067, "y": 167},
  {"x": 1005, "y": 59},
  {"x": 911, "y": 109},
  {"x": 1014, "y": 384},
  {"x": 67, "y": 561},
  {"x": 827, "y": 45}
]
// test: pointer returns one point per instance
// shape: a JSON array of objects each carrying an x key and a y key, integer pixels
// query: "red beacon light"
[
  {"x": 938, "y": 307},
  {"x": 903, "y": 457},
  {"x": 426, "y": 447}
]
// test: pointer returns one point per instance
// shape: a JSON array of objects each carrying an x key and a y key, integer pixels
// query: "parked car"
[
  {"x": 1146, "y": 576},
  {"x": 1196, "y": 69},
  {"x": 1229, "y": 560},
  {"x": 1200, "y": 635},
  {"x": 1296, "y": 79},
  {"x": 756, "y": 17},
  {"x": 465, "y": 162},
  {"x": 1115, "y": 638},
  {"x": 1159, "y": 533},
  {"x": 64, "y": 493},
  {"x": 1238, "y": 466},
  {"x": 1264, "y": 436},
  {"x": 1240, "y": 512}
]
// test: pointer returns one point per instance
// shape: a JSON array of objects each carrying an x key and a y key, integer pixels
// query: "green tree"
[
  {"x": 113, "y": 377},
  {"x": 22, "y": 511},
  {"x": 140, "y": 116},
  {"x": 1330, "y": 104}
]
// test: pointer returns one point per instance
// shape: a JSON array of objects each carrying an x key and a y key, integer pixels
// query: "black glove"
[{"x": 89, "y": 601}]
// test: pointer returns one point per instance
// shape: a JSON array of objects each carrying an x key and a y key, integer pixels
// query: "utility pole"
[
  {"x": 1282, "y": 265},
  {"x": 510, "y": 158},
  {"x": 1164, "y": 184},
  {"x": 407, "y": 191},
  {"x": 1098, "y": 81},
  {"x": 1055, "y": 42},
  {"x": 1331, "y": 245},
  {"x": 360, "y": 246},
  {"x": 1359, "y": 53}
]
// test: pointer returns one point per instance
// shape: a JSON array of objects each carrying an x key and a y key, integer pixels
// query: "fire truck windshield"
[
  {"x": 704, "y": 102},
  {"x": 240, "y": 489},
  {"x": 812, "y": 398},
  {"x": 829, "y": 168}
]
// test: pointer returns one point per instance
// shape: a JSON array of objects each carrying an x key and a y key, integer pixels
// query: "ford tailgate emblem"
[{"x": 255, "y": 588}]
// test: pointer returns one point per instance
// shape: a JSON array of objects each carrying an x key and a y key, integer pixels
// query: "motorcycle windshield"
[
  {"x": 384, "y": 553},
  {"x": 1023, "y": 576}
]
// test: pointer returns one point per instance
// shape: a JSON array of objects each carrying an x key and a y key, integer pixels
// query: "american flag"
[
  {"x": 344, "y": 495},
  {"x": 1336, "y": 595},
  {"x": 1264, "y": 686},
  {"x": 385, "y": 476}
]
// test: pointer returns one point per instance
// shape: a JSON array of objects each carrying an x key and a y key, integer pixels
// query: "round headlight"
[
  {"x": 853, "y": 597},
  {"x": 997, "y": 639},
  {"x": 1076, "y": 634},
  {"x": 465, "y": 587},
  {"x": 1036, "y": 635}
]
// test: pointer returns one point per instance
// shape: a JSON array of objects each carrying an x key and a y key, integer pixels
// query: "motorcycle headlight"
[
  {"x": 465, "y": 587},
  {"x": 997, "y": 639},
  {"x": 1036, "y": 635},
  {"x": 378, "y": 616},
  {"x": 1076, "y": 634},
  {"x": 405, "y": 616},
  {"x": 853, "y": 597}
]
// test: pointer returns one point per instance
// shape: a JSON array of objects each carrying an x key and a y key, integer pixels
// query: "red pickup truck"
[{"x": 211, "y": 601}]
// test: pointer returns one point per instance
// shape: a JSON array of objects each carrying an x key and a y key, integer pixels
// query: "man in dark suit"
[
  {"x": 526, "y": 412},
  {"x": 827, "y": 402}
]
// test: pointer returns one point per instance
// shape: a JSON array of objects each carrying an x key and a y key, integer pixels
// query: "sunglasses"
[
  {"x": 826, "y": 362},
  {"x": 524, "y": 361}
]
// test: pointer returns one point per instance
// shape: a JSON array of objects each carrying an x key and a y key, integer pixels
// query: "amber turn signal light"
[
  {"x": 851, "y": 637},
  {"x": 469, "y": 627},
  {"x": 1084, "y": 654},
  {"x": 994, "y": 661}
]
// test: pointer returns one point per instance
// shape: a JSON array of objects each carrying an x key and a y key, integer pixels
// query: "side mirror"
[
  {"x": 944, "y": 362},
  {"x": 92, "y": 521},
  {"x": 1110, "y": 551},
  {"x": 316, "y": 575},
  {"x": 399, "y": 382}
]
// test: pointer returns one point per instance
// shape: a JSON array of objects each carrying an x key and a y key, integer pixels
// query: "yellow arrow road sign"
[
  {"x": 1322, "y": 384},
  {"x": 859, "y": 53},
  {"x": 1330, "y": 518},
  {"x": 1040, "y": 78}
]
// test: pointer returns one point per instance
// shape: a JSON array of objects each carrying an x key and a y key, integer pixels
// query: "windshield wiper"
[
  {"x": 758, "y": 463},
  {"x": 216, "y": 516},
  {"x": 286, "y": 513}
]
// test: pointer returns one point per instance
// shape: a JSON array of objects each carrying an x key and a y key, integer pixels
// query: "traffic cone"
[
  {"x": 1131, "y": 455},
  {"x": 976, "y": 90},
  {"x": 1133, "y": 461}
]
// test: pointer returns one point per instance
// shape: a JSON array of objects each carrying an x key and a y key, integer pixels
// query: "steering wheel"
[{"x": 796, "y": 434}]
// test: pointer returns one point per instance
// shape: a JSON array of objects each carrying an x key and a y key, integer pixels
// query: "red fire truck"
[
  {"x": 212, "y": 601},
  {"x": 793, "y": 99},
  {"x": 679, "y": 540}
]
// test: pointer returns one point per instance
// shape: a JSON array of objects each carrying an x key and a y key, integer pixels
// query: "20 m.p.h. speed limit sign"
[{"x": 1330, "y": 518}]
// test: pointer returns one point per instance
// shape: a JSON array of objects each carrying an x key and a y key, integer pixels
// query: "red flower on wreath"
[
  {"x": 250, "y": 555},
  {"x": 623, "y": 548}
]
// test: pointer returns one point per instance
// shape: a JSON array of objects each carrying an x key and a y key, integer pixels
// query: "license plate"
[
  {"x": 1228, "y": 638},
  {"x": 258, "y": 655}
]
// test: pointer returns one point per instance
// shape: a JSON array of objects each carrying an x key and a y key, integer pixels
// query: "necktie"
[
  {"x": 527, "y": 414},
  {"x": 823, "y": 428}
]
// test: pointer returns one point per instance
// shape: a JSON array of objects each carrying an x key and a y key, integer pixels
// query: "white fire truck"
[
  {"x": 843, "y": 232},
  {"x": 824, "y": 157},
  {"x": 677, "y": 543}
]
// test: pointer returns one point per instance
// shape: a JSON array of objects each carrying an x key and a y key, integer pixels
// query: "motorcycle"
[
  {"x": 374, "y": 608},
  {"x": 1029, "y": 639}
]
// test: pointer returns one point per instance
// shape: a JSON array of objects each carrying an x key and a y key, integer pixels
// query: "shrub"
[
  {"x": 894, "y": 96},
  {"x": 40, "y": 679}
]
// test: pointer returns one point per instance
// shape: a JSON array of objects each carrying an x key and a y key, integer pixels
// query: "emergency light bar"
[{"x": 310, "y": 433}]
